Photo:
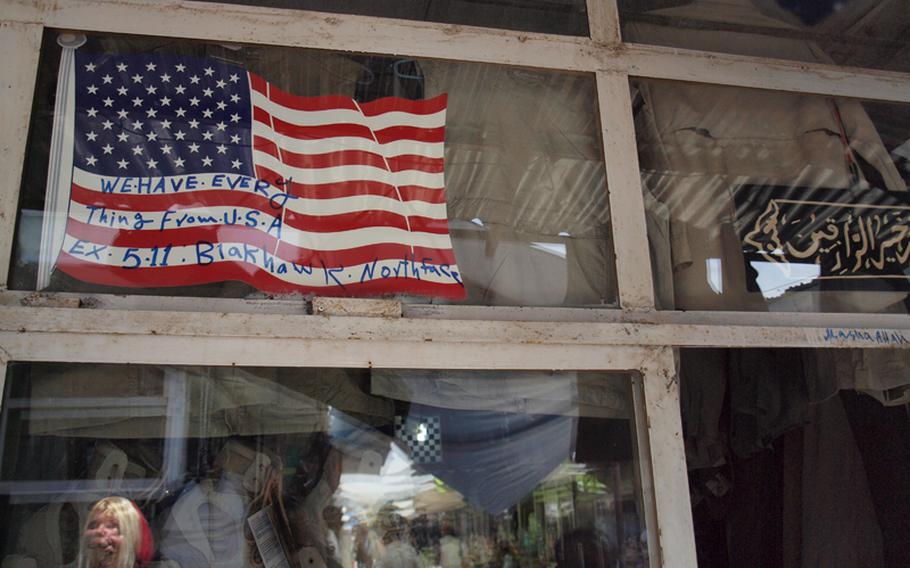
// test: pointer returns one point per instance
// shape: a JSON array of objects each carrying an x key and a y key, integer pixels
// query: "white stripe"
[
  {"x": 348, "y": 116},
  {"x": 169, "y": 185},
  {"x": 326, "y": 145},
  {"x": 349, "y": 173},
  {"x": 318, "y": 207},
  {"x": 233, "y": 252},
  {"x": 363, "y": 237}
]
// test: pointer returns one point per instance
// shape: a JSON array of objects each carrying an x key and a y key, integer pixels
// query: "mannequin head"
[{"x": 115, "y": 536}]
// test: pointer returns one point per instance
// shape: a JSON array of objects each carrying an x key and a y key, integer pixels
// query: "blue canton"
[{"x": 161, "y": 115}]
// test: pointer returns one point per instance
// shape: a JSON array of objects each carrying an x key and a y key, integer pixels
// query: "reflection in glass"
[
  {"x": 798, "y": 457},
  {"x": 760, "y": 200},
  {"x": 855, "y": 33},
  {"x": 523, "y": 181},
  {"x": 326, "y": 467}
]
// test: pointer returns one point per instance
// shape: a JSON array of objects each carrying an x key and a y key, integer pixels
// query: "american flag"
[{"x": 189, "y": 170}]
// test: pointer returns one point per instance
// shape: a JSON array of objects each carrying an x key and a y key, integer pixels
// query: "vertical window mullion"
[
  {"x": 603, "y": 21},
  {"x": 675, "y": 533},
  {"x": 627, "y": 208},
  {"x": 21, "y": 46}
]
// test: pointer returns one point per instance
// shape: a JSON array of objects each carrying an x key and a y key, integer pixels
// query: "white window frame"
[{"x": 161, "y": 330}]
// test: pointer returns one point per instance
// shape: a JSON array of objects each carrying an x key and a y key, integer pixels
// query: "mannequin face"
[{"x": 104, "y": 540}]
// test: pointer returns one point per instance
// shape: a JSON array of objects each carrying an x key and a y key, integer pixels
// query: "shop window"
[
  {"x": 230, "y": 466},
  {"x": 855, "y": 33},
  {"x": 326, "y": 174},
  {"x": 548, "y": 16},
  {"x": 773, "y": 201},
  {"x": 798, "y": 457}
]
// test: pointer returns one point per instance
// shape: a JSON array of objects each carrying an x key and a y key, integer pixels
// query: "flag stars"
[
  {"x": 108, "y": 102},
  {"x": 121, "y": 67},
  {"x": 221, "y": 126},
  {"x": 92, "y": 113},
  {"x": 194, "y": 80},
  {"x": 235, "y": 164},
  {"x": 91, "y": 136},
  {"x": 137, "y": 150},
  {"x": 91, "y": 160},
  {"x": 122, "y": 91},
  {"x": 207, "y": 92},
  {"x": 151, "y": 113},
  {"x": 151, "y": 67},
  {"x": 165, "y": 101},
  {"x": 235, "y": 118},
  {"x": 209, "y": 71},
  {"x": 137, "y": 125},
  {"x": 123, "y": 137},
  {"x": 122, "y": 114},
  {"x": 180, "y": 112},
  {"x": 194, "y": 102},
  {"x": 207, "y": 113},
  {"x": 207, "y": 136},
  {"x": 235, "y": 98},
  {"x": 151, "y": 89},
  {"x": 193, "y": 148},
  {"x": 193, "y": 123},
  {"x": 137, "y": 102},
  {"x": 222, "y": 149},
  {"x": 166, "y": 149},
  {"x": 107, "y": 148},
  {"x": 165, "y": 78},
  {"x": 221, "y": 105},
  {"x": 107, "y": 124},
  {"x": 206, "y": 161},
  {"x": 179, "y": 135},
  {"x": 122, "y": 164},
  {"x": 179, "y": 89},
  {"x": 180, "y": 67},
  {"x": 90, "y": 67},
  {"x": 235, "y": 139},
  {"x": 151, "y": 163},
  {"x": 233, "y": 78},
  {"x": 178, "y": 162},
  {"x": 92, "y": 89},
  {"x": 165, "y": 124},
  {"x": 137, "y": 78},
  {"x": 220, "y": 83},
  {"x": 107, "y": 79},
  {"x": 152, "y": 137}
]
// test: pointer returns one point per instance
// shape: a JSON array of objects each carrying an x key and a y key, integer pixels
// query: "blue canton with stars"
[{"x": 161, "y": 115}]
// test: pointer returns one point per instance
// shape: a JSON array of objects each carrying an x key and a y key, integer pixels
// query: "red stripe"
[
  {"x": 361, "y": 219},
  {"x": 357, "y": 187},
  {"x": 348, "y": 158},
  {"x": 254, "y": 237},
  {"x": 285, "y": 99},
  {"x": 174, "y": 201},
  {"x": 253, "y": 275},
  {"x": 392, "y": 104},
  {"x": 418, "y": 163}
]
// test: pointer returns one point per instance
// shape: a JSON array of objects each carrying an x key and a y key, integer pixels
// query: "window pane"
[
  {"x": 761, "y": 200},
  {"x": 857, "y": 33},
  {"x": 352, "y": 175},
  {"x": 798, "y": 457},
  {"x": 332, "y": 466},
  {"x": 568, "y": 17}
]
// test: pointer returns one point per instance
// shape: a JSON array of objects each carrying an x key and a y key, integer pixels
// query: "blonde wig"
[{"x": 127, "y": 517}]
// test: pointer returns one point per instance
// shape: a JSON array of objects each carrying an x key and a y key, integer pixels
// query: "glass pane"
[
  {"x": 857, "y": 33},
  {"x": 774, "y": 201},
  {"x": 320, "y": 467},
  {"x": 323, "y": 173},
  {"x": 568, "y": 17},
  {"x": 798, "y": 457}
]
